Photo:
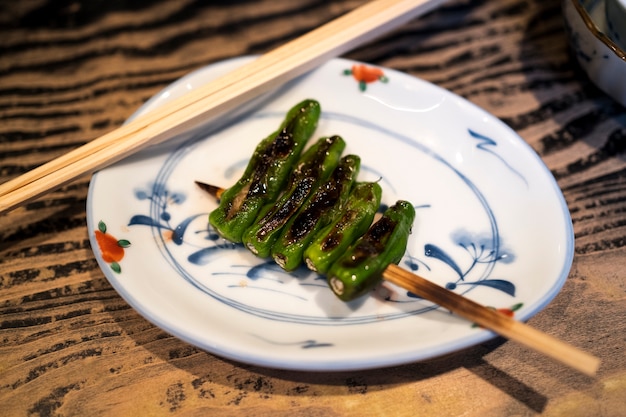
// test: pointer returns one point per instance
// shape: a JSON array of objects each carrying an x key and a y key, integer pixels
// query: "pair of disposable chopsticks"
[
  {"x": 249, "y": 81},
  {"x": 218, "y": 97},
  {"x": 486, "y": 317}
]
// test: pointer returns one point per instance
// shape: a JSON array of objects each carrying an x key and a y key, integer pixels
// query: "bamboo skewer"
[
  {"x": 484, "y": 316},
  {"x": 493, "y": 320},
  {"x": 218, "y": 97}
]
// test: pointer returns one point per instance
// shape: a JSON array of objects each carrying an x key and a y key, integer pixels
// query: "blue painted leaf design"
[
  {"x": 498, "y": 284},
  {"x": 436, "y": 252},
  {"x": 256, "y": 271},
  {"x": 143, "y": 220},
  {"x": 483, "y": 141},
  {"x": 141, "y": 195},
  {"x": 308, "y": 344},
  {"x": 487, "y": 144},
  {"x": 203, "y": 256},
  {"x": 179, "y": 231},
  {"x": 411, "y": 264}
]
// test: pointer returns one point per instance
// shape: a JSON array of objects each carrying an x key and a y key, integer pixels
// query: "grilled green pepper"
[
  {"x": 334, "y": 239},
  {"x": 266, "y": 172},
  {"x": 314, "y": 167},
  {"x": 360, "y": 269},
  {"x": 316, "y": 212}
]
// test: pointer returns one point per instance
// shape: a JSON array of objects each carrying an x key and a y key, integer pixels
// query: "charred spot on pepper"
[
  {"x": 334, "y": 238},
  {"x": 372, "y": 243},
  {"x": 308, "y": 169},
  {"x": 284, "y": 142},
  {"x": 325, "y": 197},
  {"x": 280, "y": 148},
  {"x": 332, "y": 241},
  {"x": 274, "y": 219},
  {"x": 303, "y": 222}
]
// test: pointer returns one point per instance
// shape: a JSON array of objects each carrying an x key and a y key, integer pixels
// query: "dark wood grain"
[{"x": 69, "y": 345}]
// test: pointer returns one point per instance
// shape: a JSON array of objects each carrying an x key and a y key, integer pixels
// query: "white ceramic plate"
[{"x": 491, "y": 224}]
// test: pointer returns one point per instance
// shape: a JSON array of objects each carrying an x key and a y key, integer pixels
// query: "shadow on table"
[
  {"x": 210, "y": 372},
  {"x": 470, "y": 359}
]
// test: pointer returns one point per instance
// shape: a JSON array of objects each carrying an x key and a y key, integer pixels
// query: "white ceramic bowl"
[
  {"x": 616, "y": 21},
  {"x": 601, "y": 58}
]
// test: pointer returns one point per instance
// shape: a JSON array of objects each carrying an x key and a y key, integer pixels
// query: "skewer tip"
[{"x": 213, "y": 190}]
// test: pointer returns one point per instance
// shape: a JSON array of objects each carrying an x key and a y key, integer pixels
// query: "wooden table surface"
[{"x": 72, "y": 70}]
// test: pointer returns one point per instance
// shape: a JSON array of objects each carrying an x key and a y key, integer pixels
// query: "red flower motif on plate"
[
  {"x": 364, "y": 75},
  {"x": 111, "y": 249}
]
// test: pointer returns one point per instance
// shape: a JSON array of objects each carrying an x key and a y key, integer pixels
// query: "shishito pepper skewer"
[
  {"x": 356, "y": 217},
  {"x": 486, "y": 317},
  {"x": 316, "y": 212},
  {"x": 314, "y": 167},
  {"x": 266, "y": 172},
  {"x": 360, "y": 268}
]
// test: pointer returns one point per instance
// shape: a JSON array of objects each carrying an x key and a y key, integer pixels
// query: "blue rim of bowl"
[{"x": 591, "y": 25}]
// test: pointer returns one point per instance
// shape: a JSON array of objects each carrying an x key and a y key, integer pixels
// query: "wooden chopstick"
[
  {"x": 218, "y": 97},
  {"x": 476, "y": 313},
  {"x": 493, "y": 320}
]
